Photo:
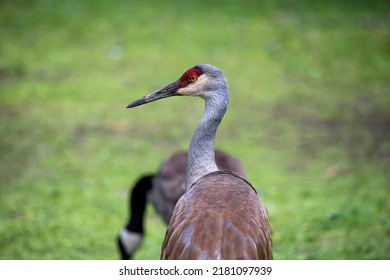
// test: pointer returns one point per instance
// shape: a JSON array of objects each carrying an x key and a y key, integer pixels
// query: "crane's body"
[
  {"x": 219, "y": 208},
  {"x": 214, "y": 223}
]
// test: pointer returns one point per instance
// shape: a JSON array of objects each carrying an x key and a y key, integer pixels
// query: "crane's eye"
[
  {"x": 192, "y": 78},
  {"x": 189, "y": 76}
]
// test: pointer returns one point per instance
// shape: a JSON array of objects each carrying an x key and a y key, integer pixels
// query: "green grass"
[{"x": 309, "y": 118}]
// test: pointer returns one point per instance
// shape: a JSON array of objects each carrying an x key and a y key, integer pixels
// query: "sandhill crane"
[
  {"x": 162, "y": 189},
  {"x": 220, "y": 215}
]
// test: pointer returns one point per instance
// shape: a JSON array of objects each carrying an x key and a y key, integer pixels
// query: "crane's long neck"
[{"x": 201, "y": 155}]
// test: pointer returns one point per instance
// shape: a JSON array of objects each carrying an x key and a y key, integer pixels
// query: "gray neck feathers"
[{"x": 201, "y": 155}]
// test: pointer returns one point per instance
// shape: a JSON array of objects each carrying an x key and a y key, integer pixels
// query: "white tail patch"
[{"x": 130, "y": 240}]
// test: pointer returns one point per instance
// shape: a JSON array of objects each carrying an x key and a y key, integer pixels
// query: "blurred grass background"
[{"x": 309, "y": 118}]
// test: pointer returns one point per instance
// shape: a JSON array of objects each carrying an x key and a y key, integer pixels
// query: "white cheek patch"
[{"x": 196, "y": 88}]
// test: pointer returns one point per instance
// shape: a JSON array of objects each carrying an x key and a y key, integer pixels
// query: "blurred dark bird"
[
  {"x": 162, "y": 190},
  {"x": 220, "y": 215}
]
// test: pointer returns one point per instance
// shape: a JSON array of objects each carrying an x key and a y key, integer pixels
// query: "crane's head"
[{"x": 201, "y": 80}]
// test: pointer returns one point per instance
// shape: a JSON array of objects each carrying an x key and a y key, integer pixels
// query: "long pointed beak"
[{"x": 168, "y": 91}]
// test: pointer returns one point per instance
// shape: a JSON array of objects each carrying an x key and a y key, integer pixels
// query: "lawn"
[{"x": 309, "y": 118}]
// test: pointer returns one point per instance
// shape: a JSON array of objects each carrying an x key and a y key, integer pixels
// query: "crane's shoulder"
[{"x": 223, "y": 181}]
